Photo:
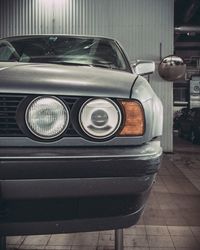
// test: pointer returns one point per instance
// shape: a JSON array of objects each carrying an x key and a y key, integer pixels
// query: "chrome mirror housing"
[
  {"x": 172, "y": 68},
  {"x": 144, "y": 67}
]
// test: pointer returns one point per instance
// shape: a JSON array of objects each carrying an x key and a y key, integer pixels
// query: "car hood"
[{"x": 53, "y": 79}]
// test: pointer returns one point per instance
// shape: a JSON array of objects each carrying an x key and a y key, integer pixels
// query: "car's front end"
[{"x": 79, "y": 146}]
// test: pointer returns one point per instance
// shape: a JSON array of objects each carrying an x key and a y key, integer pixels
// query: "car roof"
[{"x": 59, "y": 35}]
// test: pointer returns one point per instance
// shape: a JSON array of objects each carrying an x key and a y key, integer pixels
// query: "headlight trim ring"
[{"x": 116, "y": 128}]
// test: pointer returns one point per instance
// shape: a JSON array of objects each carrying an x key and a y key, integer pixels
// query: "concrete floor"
[{"x": 171, "y": 219}]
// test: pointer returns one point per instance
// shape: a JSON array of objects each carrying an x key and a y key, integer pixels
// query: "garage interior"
[
  {"x": 186, "y": 45},
  {"x": 148, "y": 30}
]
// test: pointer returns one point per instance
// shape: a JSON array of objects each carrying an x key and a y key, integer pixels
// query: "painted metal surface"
[
  {"x": 139, "y": 25},
  {"x": 49, "y": 79},
  {"x": 57, "y": 79}
]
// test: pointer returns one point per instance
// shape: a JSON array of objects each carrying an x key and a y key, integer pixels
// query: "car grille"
[{"x": 8, "y": 107}]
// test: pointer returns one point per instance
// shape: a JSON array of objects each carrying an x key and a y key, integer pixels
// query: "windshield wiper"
[
  {"x": 107, "y": 66},
  {"x": 68, "y": 63}
]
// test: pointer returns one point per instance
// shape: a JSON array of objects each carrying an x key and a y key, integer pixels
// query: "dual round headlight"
[
  {"x": 48, "y": 117},
  {"x": 100, "y": 118}
]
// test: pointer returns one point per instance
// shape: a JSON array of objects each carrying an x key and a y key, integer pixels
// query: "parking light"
[{"x": 134, "y": 123}]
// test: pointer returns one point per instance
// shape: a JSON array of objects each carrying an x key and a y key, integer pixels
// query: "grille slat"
[
  {"x": 8, "y": 107},
  {"x": 10, "y": 129},
  {"x": 8, "y": 110},
  {"x": 6, "y": 118},
  {"x": 8, "y": 125}
]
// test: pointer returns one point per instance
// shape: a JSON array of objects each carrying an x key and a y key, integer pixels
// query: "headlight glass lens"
[
  {"x": 100, "y": 118},
  {"x": 47, "y": 117}
]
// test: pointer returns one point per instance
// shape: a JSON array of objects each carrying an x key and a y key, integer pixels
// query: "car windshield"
[{"x": 98, "y": 52}]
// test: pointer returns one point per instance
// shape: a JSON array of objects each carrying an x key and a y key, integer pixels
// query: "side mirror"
[
  {"x": 144, "y": 67},
  {"x": 172, "y": 68}
]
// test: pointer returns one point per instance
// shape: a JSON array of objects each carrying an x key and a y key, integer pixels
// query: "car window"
[
  {"x": 7, "y": 52},
  {"x": 62, "y": 49}
]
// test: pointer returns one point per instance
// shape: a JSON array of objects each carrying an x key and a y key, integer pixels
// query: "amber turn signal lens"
[{"x": 134, "y": 119}]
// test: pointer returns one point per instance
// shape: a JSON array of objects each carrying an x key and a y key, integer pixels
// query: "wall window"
[{"x": 181, "y": 94}]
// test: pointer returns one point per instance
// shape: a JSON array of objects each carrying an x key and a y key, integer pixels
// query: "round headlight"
[
  {"x": 100, "y": 118},
  {"x": 47, "y": 117}
]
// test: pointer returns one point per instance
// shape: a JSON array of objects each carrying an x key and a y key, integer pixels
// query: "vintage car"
[
  {"x": 189, "y": 127},
  {"x": 79, "y": 135},
  {"x": 179, "y": 116}
]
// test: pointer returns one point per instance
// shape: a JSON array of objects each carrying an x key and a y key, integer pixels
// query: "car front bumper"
[{"x": 88, "y": 182}]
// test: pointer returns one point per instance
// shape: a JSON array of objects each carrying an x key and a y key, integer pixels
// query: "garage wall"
[{"x": 139, "y": 25}]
